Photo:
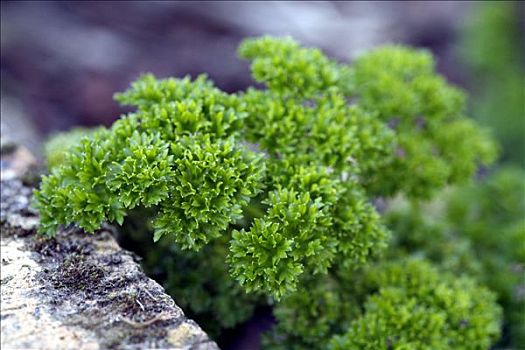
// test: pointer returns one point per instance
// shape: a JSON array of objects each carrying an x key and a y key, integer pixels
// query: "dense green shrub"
[
  {"x": 492, "y": 217},
  {"x": 402, "y": 303},
  {"x": 435, "y": 145},
  {"x": 278, "y": 184},
  {"x": 478, "y": 230},
  {"x": 416, "y": 307}
]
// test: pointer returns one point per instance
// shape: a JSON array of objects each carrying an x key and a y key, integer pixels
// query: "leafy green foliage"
[
  {"x": 416, "y": 307},
  {"x": 148, "y": 159},
  {"x": 477, "y": 230},
  {"x": 59, "y": 145},
  {"x": 213, "y": 182},
  {"x": 435, "y": 144},
  {"x": 291, "y": 238},
  {"x": 498, "y": 206},
  {"x": 287, "y": 68},
  {"x": 177, "y": 107},
  {"x": 269, "y": 191},
  {"x": 403, "y": 303},
  {"x": 321, "y": 307}
]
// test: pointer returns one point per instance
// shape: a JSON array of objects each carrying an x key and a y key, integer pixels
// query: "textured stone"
[{"x": 78, "y": 291}]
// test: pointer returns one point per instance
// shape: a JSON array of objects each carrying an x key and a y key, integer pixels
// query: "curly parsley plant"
[{"x": 287, "y": 172}]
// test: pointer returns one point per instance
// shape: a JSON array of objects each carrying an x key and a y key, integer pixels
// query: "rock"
[{"x": 76, "y": 290}]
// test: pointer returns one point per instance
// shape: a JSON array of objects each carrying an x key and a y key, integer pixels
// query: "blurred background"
[{"x": 62, "y": 61}]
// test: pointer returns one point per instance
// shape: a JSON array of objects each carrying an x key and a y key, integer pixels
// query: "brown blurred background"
[{"x": 62, "y": 61}]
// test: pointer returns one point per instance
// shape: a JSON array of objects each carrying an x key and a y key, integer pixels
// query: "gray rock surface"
[{"x": 77, "y": 291}]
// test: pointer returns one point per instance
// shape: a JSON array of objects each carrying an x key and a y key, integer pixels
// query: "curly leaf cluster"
[
  {"x": 210, "y": 190},
  {"x": 417, "y": 307},
  {"x": 435, "y": 144},
  {"x": 289, "y": 170},
  {"x": 169, "y": 154},
  {"x": 480, "y": 231},
  {"x": 292, "y": 237},
  {"x": 309, "y": 317},
  {"x": 288, "y": 68}
]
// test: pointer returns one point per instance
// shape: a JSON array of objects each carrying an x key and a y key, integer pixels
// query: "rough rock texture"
[{"x": 77, "y": 291}]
